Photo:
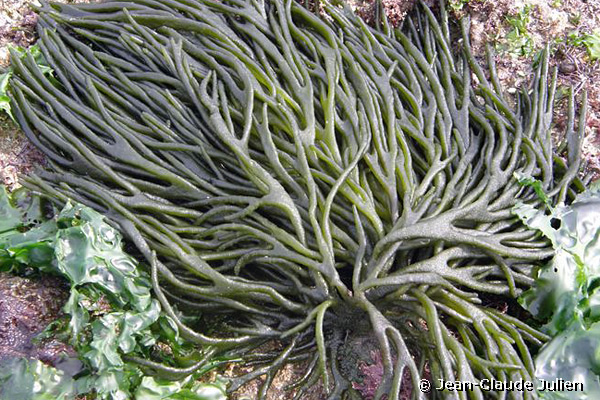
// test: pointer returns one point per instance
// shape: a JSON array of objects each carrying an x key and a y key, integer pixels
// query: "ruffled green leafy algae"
[
  {"x": 565, "y": 295},
  {"x": 111, "y": 315},
  {"x": 33, "y": 380},
  {"x": 307, "y": 181}
]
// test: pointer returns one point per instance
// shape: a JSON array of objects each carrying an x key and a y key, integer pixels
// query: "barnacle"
[{"x": 311, "y": 180}]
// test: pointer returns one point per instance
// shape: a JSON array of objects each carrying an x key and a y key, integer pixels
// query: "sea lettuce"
[
  {"x": 565, "y": 295},
  {"x": 25, "y": 379},
  {"x": 110, "y": 311}
]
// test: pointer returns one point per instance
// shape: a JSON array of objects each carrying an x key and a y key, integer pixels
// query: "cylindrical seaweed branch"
[{"x": 308, "y": 178}]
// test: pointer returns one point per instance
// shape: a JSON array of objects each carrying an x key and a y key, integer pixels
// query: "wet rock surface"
[{"x": 27, "y": 306}]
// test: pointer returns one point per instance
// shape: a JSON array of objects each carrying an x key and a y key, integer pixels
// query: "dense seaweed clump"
[{"x": 306, "y": 180}]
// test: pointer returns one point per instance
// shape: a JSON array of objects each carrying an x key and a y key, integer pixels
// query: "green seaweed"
[
  {"x": 33, "y": 380},
  {"x": 111, "y": 315},
  {"x": 308, "y": 179},
  {"x": 5, "y": 75},
  {"x": 565, "y": 295}
]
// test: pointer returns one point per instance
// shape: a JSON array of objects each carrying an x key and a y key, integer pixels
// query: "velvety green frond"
[{"x": 307, "y": 181}]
